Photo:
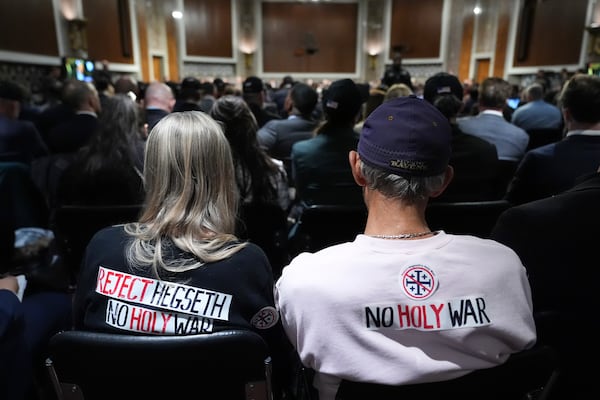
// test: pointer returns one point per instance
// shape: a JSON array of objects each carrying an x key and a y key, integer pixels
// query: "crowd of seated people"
[{"x": 93, "y": 142}]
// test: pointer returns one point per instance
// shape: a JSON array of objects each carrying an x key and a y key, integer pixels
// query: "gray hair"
[
  {"x": 191, "y": 196},
  {"x": 412, "y": 189}
]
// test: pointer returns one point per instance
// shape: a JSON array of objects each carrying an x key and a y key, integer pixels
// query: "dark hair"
[
  {"x": 75, "y": 93},
  {"x": 494, "y": 92},
  {"x": 253, "y": 165},
  {"x": 449, "y": 105},
  {"x": 581, "y": 95},
  {"x": 114, "y": 140},
  {"x": 304, "y": 98},
  {"x": 536, "y": 91}
]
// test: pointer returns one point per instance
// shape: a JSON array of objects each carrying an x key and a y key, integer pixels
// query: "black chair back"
[
  {"x": 505, "y": 173},
  {"x": 529, "y": 374},
  {"x": 22, "y": 203},
  {"x": 266, "y": 225},
  {"x": 233, "y": 364},
  {"x": 470, "y": 217},
  {"x": 74, "y": 227},
  {"x": 320, "y": 226}
]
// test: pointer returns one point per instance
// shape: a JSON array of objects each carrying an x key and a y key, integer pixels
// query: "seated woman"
[
  {"x": 259, "y": 177},
  {"x": 107, "y": 171},
  {"x": 180, "y": 269}
]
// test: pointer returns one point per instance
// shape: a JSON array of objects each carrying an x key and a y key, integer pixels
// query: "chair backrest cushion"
[
  {"x": 106, "y": 365},
  {"x": 529, "y": 374}
]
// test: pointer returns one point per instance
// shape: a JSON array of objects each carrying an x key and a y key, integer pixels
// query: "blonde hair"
[
  {"x": 397, "y": 90},
  {"x": 191, "y": 196}
]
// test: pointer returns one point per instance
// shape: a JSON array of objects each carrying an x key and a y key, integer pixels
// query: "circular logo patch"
[
  {"x": 418, "y": 282},
  {"x": 265, "y": 318}
]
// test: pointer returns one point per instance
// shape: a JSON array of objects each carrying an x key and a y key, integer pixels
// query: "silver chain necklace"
[{"x": 404, "y": 235}]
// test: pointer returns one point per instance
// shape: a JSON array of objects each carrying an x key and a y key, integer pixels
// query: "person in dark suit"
[
  {"x": 20, "y": 141},
  {"x": 254, "y": 94},
  {"x": 554, "y": 237},
  {"x": 159, "y": 101},
  {"x": 394, "y": 72},
  {"x": 553, "y": 168},
  {"x": 188, "y": 98},
  {"x": 108, "y": 170},
  {"x": 281, "y": 93},
  {"x": 320, "y": 165},
  {"x": 475, "y": 161},
  {"x": 55, "y": 112},
  {"x": 278, "y": 136},
  {"x": 73, "y": 133}
]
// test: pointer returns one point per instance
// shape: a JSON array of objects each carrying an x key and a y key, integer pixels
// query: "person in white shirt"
[{"x": 402, "y": 304}]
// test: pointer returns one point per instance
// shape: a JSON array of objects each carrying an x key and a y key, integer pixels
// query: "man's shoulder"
[
  {"x": 292, "y": 124},
  {"x": 302, "y": 146},
  {"x": 10, "y": 126},
  {"x": 467, "y": 124}
]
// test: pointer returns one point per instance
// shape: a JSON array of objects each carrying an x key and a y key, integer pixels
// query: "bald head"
[{"x": 159, "y": 95}]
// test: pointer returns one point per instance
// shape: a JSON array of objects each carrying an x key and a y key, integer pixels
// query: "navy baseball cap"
[
  {"x": 442, "y": 83},
  {"x": 10, "y": 90},
  {"x": 253, "y": 84},
  {"x": 406, "y": 136},
  {"x": 342, "y": 99}
]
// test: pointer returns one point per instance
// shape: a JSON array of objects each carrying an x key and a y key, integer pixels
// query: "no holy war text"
[
  {"x": 457, "y": 313},
  {"x": 128, "y": 317}
]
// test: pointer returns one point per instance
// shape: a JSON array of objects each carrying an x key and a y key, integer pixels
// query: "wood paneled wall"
[
  {"x": 306, "y": 37},
  {"x": 466, "y": 45},
  {"x": 208, "y": 28},
  {"x": 555, "y": 33},
  {"x": 142, "y": 28},
  {"x": 501, "y": 39},
  {"x": 28, "y": 26},
  {"x": 109, "y": 30},
  {"x": 417, "y": 25},
  {"x": 172, "y": 50}
]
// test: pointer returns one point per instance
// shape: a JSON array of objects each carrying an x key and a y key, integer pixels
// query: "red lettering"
[
  {"x": 437, "y": 311},
  {"x": 124, "y": 285},
  {"x": 417, "y": 320},
  {"x": 148, "y": 321},
  {"x": 131, "y": 286},
  {"x": 136, "y": 315},
  {"x": 117, "y": 284},
  {"x": 403, "y": 314},
  {"x": 108, "y": 282},
  {"x": 142, "y": 320},
  {"x": 100, "y": 281},
  {"x": 112, "y": 285},
  {"x": 166, "y": 318},
  {"x": 146, "y": 282},
  {"x": 425, "y": 324}
]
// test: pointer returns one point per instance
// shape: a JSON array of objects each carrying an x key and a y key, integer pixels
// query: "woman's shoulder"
[
  {"x": 109, "y": 233},
  {"x": 251, "y": 250}
]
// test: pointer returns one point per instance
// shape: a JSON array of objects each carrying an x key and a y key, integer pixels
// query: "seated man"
[
  {"x": 402, "y": 304},
  {"x": 551, "y": 169},
  {"x": 278, "y": 136},
  {"x": 548, "y": 235}
]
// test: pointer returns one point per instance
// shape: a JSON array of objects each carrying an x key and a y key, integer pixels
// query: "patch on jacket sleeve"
[{"x": 265, "y": 318}]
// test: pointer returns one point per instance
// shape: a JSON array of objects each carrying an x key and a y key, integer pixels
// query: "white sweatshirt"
[{"x": 405, "y": 311}]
